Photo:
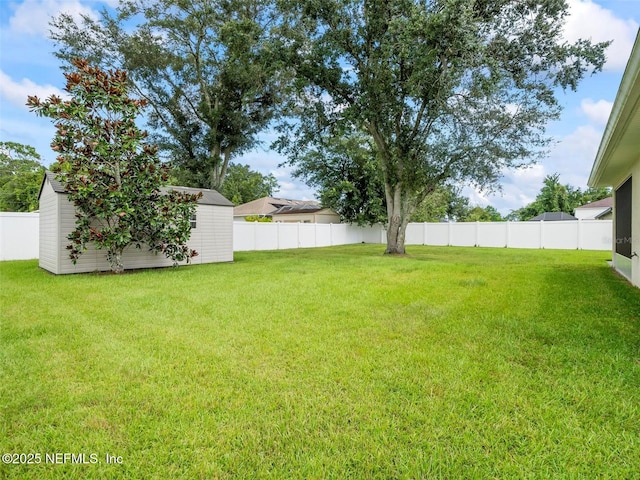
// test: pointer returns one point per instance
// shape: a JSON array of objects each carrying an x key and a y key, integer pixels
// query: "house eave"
[{"x": 619, "y": 145}]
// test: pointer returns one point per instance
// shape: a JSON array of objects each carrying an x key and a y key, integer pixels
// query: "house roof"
[
  {"x": 621, "y": 139},
  {"x": 552, "y": 217},
  {"x": 604, "y": 212},
  {"x": 209, "y": 197},
  {"x": 305, "y": 208},
  {"x": 267, "y": 205},
  {"x": 604, "y": 203}
]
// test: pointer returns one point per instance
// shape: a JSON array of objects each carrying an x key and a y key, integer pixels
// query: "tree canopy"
[
  {"x": 449, "y": 91},
  {"x": 204, "y": 66},
  {"x": 112, "y": 176},
  {"x": 21, "y": 175},
  {"x": 243, "y": 185}
]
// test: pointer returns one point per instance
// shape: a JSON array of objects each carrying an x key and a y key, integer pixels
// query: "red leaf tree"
[{"x": 112, "y": 176}]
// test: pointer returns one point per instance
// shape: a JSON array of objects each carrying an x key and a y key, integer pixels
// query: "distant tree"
[
  {"x": 205, "y": 67},
  {"x": 243, "y": 185},
  {"x": 444, "y": 203},
  {"x": 258, "y": 218},
  {"x": 486, "y": 214},
  {"x": 21, "y": 175},
  {"x": 112, "y": 176},
  {"x": 344, "y": 171},
  {"x": 555, "y": 197}
]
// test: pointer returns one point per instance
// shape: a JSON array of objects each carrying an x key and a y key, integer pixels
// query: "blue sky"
[{"x": 28, "y": 67}]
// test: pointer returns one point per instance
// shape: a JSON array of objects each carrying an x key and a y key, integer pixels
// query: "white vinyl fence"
[{"x": 19, "y": 234}]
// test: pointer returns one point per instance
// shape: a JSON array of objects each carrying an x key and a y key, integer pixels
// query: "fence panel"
[
  {"x": 560, "y": 235},
  {"x": 288, "y": 235},
  {"x": 462, "y": 234},
  {"x": 415, "y": 234},
  {"x": 524, "y": 235},
  {"x": 19, "y": 235},
  {"x": 594, "y": 237},
  {"x": 437, "y": 234},
  {"x": 491, "y": 234}
]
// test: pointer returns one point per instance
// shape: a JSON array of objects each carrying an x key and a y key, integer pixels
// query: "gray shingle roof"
[
  {"x": 553, "y": 217},
  {"x": 209, "y": 197}
]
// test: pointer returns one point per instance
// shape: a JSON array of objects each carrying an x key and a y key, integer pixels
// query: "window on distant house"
[{"x": 192, "y": 221}]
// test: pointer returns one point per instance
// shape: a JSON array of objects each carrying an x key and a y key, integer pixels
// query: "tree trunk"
[
  {"x": 398, "y": 213},
  {"x": 395, "y": 237},
  {"x": 115, "y": 261}
]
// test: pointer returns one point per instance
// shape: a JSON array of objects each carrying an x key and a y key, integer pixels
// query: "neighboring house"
[
  {"x": 285, "y": 210},
  {"x": 211, "y": 234},
  {"x": 263, "y": 207},
  {"x": 305, "y": 214},
  {"x": 599, "y": 210},
  {"x": 617, "y": 164},
  {"x": 552, "y": 217}
]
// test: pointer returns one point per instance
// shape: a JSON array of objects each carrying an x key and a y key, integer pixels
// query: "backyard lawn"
[{"x": 324, "y": 363}]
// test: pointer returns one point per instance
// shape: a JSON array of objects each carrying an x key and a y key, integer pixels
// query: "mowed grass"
[{"x": 326, "y": 363}]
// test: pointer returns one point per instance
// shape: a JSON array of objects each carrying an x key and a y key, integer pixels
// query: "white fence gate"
[{"x": 19, "y": 234}]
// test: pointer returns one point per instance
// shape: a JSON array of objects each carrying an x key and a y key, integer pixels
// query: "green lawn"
[{"x": 326, "y": 363}]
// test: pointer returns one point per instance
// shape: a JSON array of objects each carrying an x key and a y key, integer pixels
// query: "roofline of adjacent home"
[{"x": 620, "y": 116}]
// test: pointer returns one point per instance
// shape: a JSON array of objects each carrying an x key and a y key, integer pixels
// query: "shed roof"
[
  {"x": 209, "y": 197},
  {"x": 552, "y": 217}
]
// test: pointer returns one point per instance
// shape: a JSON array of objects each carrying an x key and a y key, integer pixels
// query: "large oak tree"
[
  {"x": 449, "y": 91},
  {"x": 204, "y": 66}
]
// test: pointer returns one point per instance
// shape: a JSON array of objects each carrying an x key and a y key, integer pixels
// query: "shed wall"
[
  {"x": 48, "y": 229},
  {"x": 212, "y": 239}
]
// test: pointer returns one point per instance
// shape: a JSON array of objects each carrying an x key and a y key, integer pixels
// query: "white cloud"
[
  {"x": 17, "y": 92},
  {"x": 32, "y": 17},
  {"x": 598, "y": 112},
  {"x": 588, "y": 20},
  {"x": 291, "y": 188}
]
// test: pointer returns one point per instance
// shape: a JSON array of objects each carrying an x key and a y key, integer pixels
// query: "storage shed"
[{"x": 211, "y": 233}]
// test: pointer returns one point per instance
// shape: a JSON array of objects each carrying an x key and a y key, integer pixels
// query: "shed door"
[{"x": 623, "y": 219}]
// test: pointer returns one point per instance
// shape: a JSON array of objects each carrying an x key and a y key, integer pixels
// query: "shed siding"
[
  {"x": 48, "y": 229},
  {"x": 215, "y": 233},
  {"x": 212, "y": 239}
]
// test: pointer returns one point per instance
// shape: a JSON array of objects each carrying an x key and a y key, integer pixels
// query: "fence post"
[{"x": 541, "y": 234}]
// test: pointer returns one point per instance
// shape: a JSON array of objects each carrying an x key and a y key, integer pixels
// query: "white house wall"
[
  {"x": 635, "y": 223},
  {"x": 630, "y": 268}
]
